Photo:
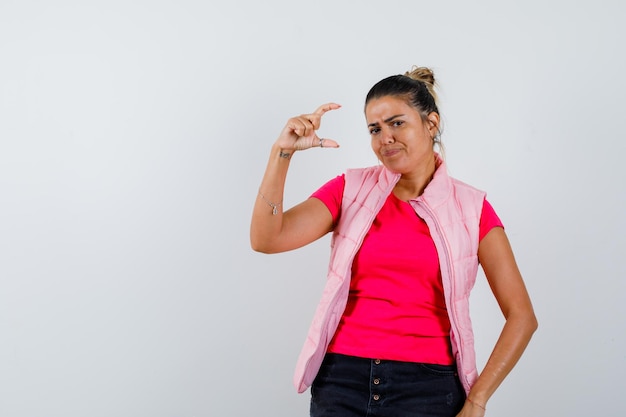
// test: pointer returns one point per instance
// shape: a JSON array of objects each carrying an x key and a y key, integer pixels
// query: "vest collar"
[
  {"x": 437, "y": 190},
  {"x": 440, "y": 187}
]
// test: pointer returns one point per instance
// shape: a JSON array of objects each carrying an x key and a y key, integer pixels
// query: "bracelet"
[
  {"x": 285, "y": 155},
  {"x": 274, "y": 206},
  {"x": 476, "y": 404}
]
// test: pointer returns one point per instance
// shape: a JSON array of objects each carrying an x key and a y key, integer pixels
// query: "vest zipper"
[{"x": 452, "y": 312}]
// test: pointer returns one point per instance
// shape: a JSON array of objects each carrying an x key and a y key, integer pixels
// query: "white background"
[{"x": 133, "y": 136}]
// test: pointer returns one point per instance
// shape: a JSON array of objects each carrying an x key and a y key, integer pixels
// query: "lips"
[{"x": 390, "y": 152}]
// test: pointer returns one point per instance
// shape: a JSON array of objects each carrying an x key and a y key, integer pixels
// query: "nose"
[{"x": 386, "y": 137}]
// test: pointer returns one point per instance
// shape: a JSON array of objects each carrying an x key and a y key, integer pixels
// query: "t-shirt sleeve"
[
  {"x": 488, "y": 220},
  {"x": 331, "y": 195}
]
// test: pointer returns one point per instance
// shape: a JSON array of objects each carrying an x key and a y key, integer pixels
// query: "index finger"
[{"x": 326, "y": 107}]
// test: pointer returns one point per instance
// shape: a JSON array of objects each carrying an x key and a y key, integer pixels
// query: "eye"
[
  {"x": 374, "y": 130},
  {"x": 397, "y": 123}
]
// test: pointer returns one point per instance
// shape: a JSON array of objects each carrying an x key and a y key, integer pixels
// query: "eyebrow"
[{"x": 387, "y": 120}]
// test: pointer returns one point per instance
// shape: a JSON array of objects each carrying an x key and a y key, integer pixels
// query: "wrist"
[
  {"x": 282, "y": 153},
  {"x": 480, "y": 404}
]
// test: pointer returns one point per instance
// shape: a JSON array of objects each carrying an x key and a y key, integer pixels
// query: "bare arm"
[
  {"x": 273, "y": 230},
  {"x": 496, "y": 257}
]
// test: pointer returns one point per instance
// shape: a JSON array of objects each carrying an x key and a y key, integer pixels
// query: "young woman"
[{"x": 392, "y": 334}]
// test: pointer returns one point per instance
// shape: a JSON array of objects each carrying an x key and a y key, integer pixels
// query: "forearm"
[
  {"x": 515, "y": 336},
  {"x": 272, "y": 230},
  {"x": 267, "y": 214}
]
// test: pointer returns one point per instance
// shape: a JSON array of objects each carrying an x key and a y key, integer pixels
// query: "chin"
[{"x": 394, "y": 168}]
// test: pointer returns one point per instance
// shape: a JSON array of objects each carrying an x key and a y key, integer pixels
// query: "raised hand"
[{"x": 300, "y": 132}]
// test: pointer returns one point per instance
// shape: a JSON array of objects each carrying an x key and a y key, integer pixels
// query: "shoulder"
[
  {"x": 363, "y": 172},
  {"x": 468, "y": 197},
  {"x": 463, "y": 186},
  {"x": 356, "y": 177}
]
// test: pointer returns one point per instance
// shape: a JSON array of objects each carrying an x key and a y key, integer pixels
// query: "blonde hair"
[{"x": 427, "y": 76}]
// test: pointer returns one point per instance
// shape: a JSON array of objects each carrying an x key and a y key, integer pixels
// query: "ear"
[{"x": 433, "y": 123}]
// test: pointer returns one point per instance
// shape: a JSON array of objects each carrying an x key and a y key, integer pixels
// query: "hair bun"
[{"x": 425, "y": 75}]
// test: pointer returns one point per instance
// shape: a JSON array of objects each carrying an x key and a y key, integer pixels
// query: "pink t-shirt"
[{"x": 396, "y": 308}]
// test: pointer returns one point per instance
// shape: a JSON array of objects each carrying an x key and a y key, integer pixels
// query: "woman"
[{"x": 392, "y": 334}]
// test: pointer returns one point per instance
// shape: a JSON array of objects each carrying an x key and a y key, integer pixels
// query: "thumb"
[{"x": 328, "y": 143}]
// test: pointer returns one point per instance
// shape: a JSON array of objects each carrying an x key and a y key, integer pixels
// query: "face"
[{"x": 401, "y": 140}]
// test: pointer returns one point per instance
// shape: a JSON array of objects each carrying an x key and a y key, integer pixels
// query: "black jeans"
[{"x": 347, "y": 386}]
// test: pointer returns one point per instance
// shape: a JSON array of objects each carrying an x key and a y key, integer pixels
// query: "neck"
[{"x": 412, "y": 185}]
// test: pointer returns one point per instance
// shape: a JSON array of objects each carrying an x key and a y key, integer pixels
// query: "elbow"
[
  {"x": 261, "y": 246},
  {"x": 524, "y": 321},
  {"x": 257, "y": 246},
  {"x": 534, "y": 323},
  {"x": 530, "y": 323},
  {"x": 261, "y": 241},
  {"x": 531, "y": 319},
  {"x": 257, "y": 243}
]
